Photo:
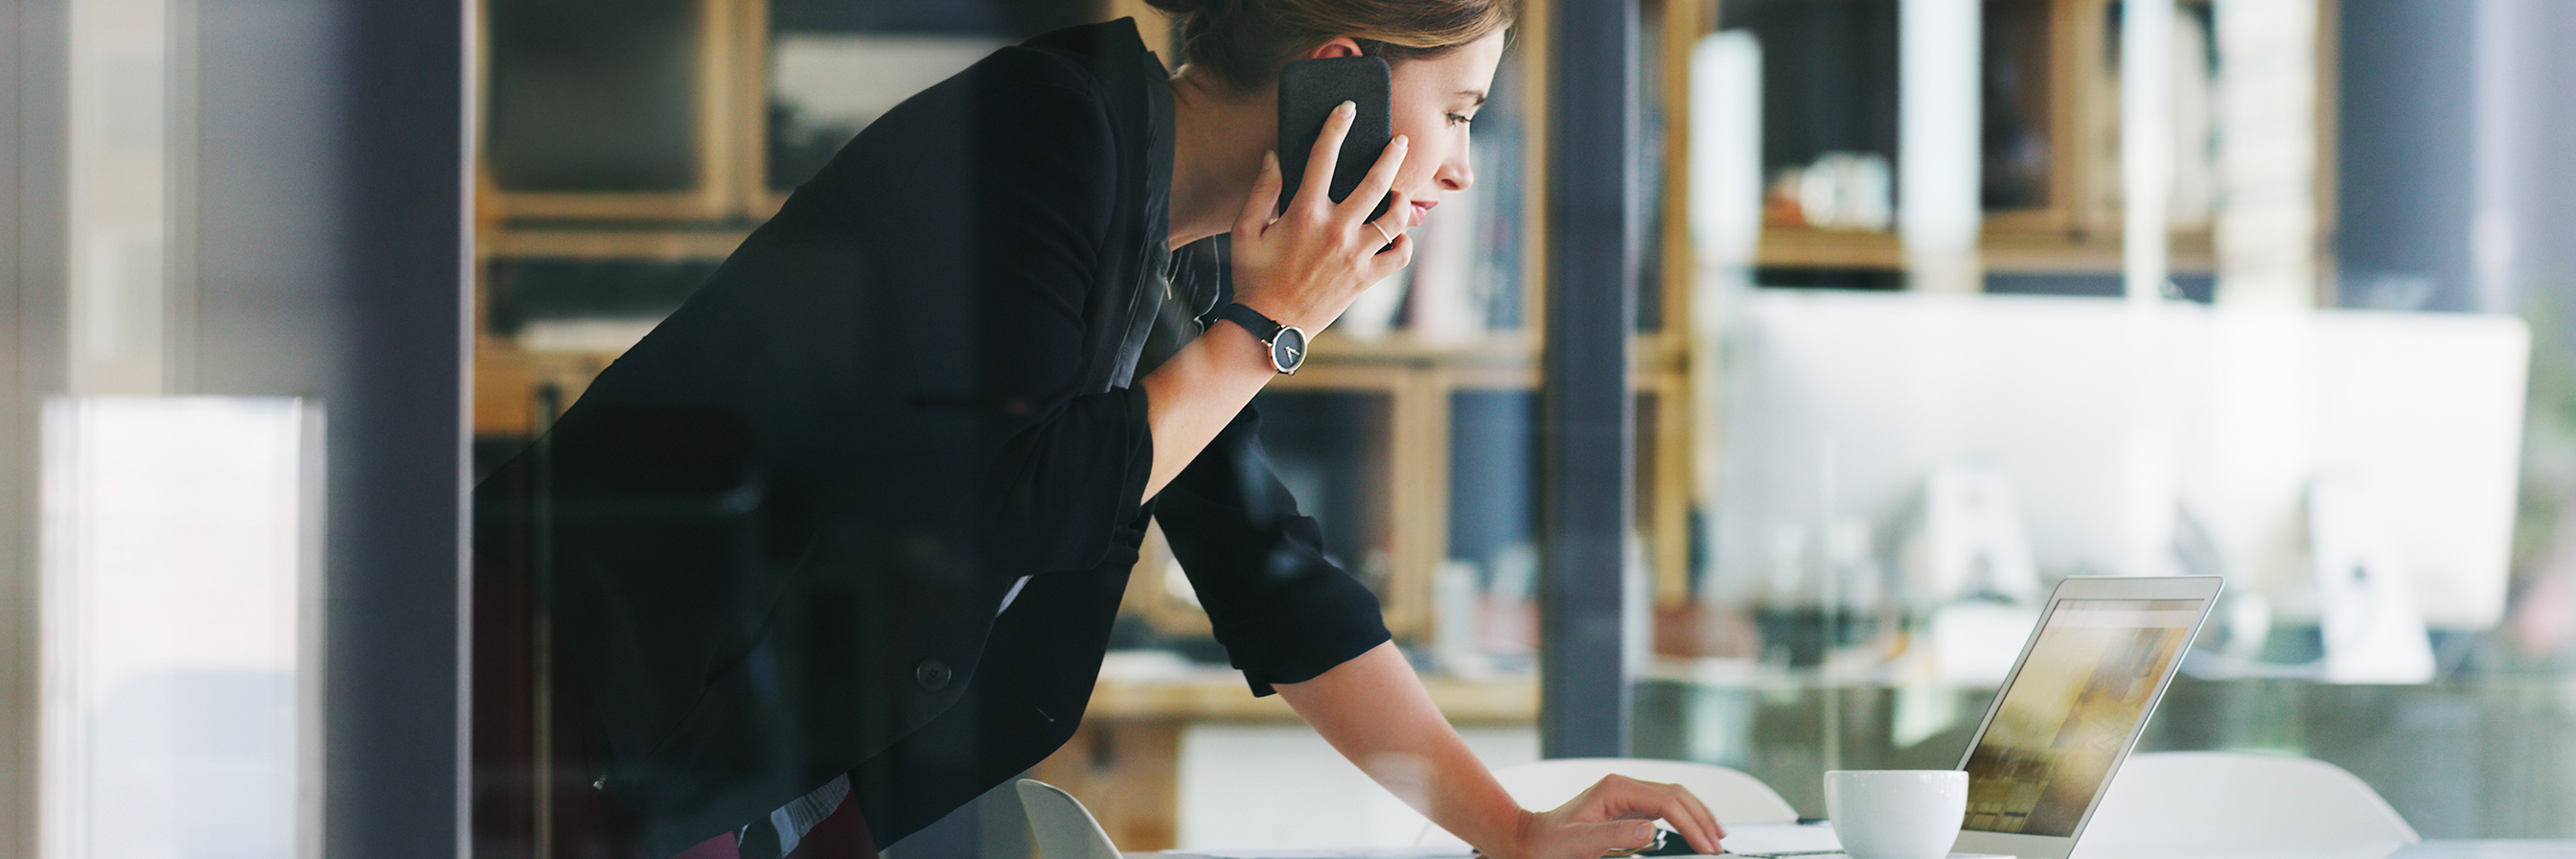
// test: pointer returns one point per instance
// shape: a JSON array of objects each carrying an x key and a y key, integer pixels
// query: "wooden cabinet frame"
[{"x": 718, "y": 180}]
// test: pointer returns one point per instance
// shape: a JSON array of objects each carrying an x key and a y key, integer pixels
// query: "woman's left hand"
[
  {"x": 1305, "y": 266},
  {"x": 1616, "y": 813}
]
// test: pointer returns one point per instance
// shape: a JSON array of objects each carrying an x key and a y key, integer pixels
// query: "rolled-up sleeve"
[{"x": 1282, "y": 610}]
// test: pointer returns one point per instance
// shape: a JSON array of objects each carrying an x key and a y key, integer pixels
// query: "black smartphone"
[{"x": 1308, "y": 92}]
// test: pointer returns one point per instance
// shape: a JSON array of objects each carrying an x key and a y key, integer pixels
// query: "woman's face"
[{"x": 1434, "y": 102}]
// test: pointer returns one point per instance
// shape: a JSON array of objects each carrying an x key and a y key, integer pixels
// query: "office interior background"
[{"x": 1783, "y": 354}]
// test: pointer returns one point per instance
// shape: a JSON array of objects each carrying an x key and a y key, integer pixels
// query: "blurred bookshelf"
[{"x": 2050, "y": 130}]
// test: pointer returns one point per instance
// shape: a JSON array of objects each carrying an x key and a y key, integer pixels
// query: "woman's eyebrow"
[{"x": 1477, "y": 94}]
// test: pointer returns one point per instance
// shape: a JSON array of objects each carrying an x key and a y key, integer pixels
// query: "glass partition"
[{"x": 231, "y": 370}]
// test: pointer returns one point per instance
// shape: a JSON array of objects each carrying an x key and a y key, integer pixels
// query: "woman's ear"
[{"x": 1340, "y": 46}]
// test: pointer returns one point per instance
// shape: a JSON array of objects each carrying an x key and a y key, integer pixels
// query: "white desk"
[
  {"x": 2561, "y": 848},
  {"x": 2436, "y": 849}
]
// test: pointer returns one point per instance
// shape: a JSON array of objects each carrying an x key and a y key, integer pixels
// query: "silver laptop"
[
  {"x": 2102, "y": 654},
  {"x": 2104, "y": 651}
]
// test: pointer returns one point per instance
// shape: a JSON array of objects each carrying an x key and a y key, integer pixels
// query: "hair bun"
[{"x": 1244, "y": 42}]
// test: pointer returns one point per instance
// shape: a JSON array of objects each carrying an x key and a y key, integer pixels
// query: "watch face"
[{"x": 1288, "y": 349}]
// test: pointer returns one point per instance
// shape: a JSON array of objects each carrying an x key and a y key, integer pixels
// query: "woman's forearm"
[
  {"x": 1374, "y": 710},
  {"x": 1195, "y": 394}
]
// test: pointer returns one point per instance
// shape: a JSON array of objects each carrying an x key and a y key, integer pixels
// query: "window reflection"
[{"x": 181, "y": 653}]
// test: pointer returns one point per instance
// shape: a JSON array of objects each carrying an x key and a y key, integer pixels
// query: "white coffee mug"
[{"x": 1896, "y": 814}]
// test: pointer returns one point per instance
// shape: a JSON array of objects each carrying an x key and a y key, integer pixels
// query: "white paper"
[
  {"x": 1327, "y": 853},
  {"x": 1751, "y": 838}
]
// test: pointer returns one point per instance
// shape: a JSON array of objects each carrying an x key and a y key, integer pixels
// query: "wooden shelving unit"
[{"x": 2064, "y": 53}]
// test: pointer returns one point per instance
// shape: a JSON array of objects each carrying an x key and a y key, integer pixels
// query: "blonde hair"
[{"x": 1246, "y": 41}]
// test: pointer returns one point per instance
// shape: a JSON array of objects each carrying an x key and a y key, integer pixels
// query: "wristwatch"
[{"x": 1287, "y": 344}]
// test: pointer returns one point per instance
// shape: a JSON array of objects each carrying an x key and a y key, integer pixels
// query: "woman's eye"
[{"x": 1460, "y": 119}]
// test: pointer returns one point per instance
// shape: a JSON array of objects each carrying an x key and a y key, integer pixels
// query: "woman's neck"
[{"x": 1218, "y": 137}]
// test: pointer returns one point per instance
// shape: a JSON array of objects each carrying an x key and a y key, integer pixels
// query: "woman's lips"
[{"x": 1421, "y": 212}]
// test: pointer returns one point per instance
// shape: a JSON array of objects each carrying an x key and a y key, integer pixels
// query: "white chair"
[
  {"x": 1062, "y": 828},
  {"x": 2168, "y": 803},
  {"x": 1731, "y": 794}
]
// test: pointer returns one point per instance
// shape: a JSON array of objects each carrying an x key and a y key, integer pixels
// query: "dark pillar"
[
  {"x": 1587, "y": 412},
  {"x": 2406, "y": 140}
]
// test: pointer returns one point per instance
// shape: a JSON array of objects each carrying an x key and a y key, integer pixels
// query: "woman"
[{"x": 837, "y": 547}]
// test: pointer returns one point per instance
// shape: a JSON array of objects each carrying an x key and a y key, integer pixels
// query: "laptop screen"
[{"x": 2067, "y": 715}]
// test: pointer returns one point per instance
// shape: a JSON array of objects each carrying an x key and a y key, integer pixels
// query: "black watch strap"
[
  {"x": 1287, "y": 343},
  {"x": 1263, "y": 328}
]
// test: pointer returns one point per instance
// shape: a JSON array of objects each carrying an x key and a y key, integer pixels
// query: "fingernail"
[
  {"x": 1645, "y": 831},
  {"x": 1270, "y": 160},
  {"x": 1346, "y": 107},
  {"x": 1403, "y": 141}
]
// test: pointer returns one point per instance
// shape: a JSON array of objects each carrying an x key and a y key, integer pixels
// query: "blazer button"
[{"x": 933, "y": 674}]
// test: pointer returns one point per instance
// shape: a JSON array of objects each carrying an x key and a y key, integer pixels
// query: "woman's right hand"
[
  {"x": 1615, "y": 815},
  {"x": 1305, "y": 266}
]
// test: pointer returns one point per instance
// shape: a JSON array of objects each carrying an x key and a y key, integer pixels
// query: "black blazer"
[{"x": 777, "y": 534}]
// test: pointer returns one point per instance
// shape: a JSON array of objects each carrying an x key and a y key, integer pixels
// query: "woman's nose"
[{"x": 1456, "y": 174}]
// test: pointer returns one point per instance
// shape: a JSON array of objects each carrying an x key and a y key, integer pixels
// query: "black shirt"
[{"x": 777, "y": 532}]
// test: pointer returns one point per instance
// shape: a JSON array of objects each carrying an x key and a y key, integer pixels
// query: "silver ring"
[{"x": 1381, "y": 231}]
